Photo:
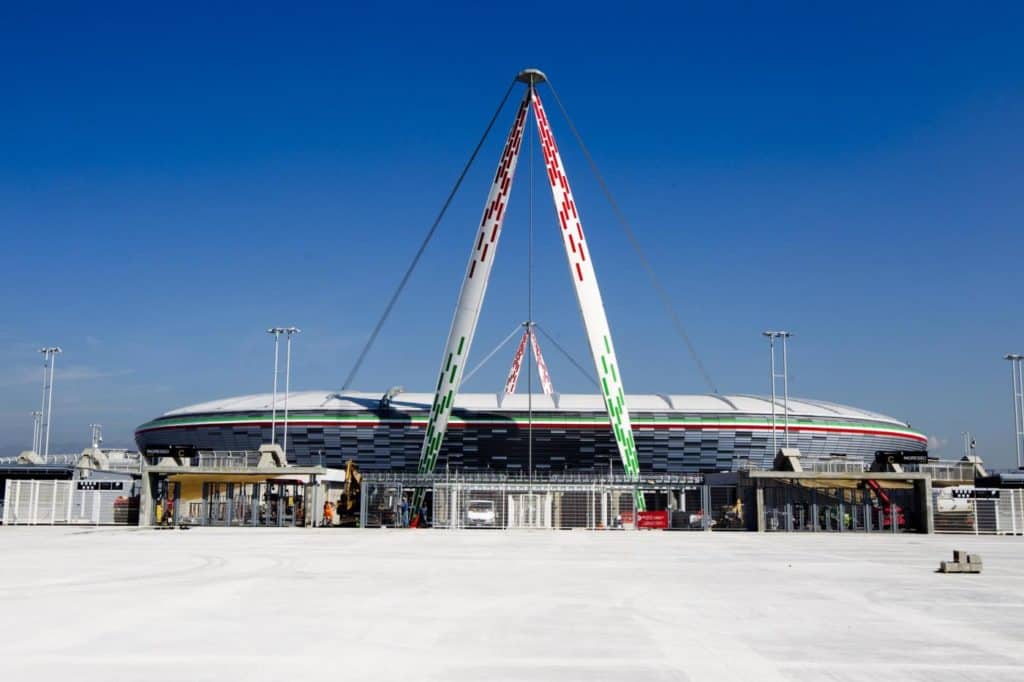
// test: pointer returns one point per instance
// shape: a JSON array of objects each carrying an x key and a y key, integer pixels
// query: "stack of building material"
[{"x": 962, "y": 563}]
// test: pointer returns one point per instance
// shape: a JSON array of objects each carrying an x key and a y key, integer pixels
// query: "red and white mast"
[{"x": 517, "y": 363}]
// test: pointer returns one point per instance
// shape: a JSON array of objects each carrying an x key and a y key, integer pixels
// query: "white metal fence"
[
  {"x": 51, "y": 502},
  {"x": 514, "y": 505},
  {"x": 978, "y": 511}
]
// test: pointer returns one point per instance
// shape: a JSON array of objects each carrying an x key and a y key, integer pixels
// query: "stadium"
[
  {"x": 509, "y": 433},
  {"x": 570, "y": 433}
]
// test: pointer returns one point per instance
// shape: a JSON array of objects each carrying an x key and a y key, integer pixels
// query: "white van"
[{"x": 480, "y": 513}]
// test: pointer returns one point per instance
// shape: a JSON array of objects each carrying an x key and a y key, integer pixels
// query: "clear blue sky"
[{"x": 174, "y": 180}]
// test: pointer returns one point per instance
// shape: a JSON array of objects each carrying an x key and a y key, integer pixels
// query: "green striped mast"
[{"x": 471, "y": 297}]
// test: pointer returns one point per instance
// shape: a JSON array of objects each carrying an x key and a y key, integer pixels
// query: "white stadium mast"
[{"x": 581, "y": 270}]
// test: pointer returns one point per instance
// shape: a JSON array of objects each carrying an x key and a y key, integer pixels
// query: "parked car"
[{"x": 480, "y": 513}]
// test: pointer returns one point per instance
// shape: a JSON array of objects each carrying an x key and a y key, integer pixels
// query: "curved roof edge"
[{"x": 739, "y": 404}]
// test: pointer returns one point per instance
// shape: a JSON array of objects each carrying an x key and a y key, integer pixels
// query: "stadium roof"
[{"x": 568, "y": 402}]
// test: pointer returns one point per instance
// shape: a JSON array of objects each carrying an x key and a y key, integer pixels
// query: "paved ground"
[{"x": 256, "y": 604}]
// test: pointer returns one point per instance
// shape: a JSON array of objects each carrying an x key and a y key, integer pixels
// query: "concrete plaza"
[{"x": 270, "y": 604}]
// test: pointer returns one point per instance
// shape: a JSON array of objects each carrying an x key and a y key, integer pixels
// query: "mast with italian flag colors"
[{"x": 581, "y": 271}]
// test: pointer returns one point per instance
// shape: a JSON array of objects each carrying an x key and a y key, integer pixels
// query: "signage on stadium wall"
[
  {"x": 655, "y": 520},
  {"x": 179, "y": 451},
  {"x": 975, "y": 494},
  {"x": 100, "y": 485},
  {"x": 902, "y": 456}
]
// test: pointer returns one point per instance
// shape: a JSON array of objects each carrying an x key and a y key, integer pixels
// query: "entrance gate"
[
  {"x": 268, "y": 503},
  {"x": 512, "y": 505},
  {"x": 528, "y": 510}
]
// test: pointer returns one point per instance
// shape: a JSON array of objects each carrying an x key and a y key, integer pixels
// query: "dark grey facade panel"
[{"x": 396, "y": 447}]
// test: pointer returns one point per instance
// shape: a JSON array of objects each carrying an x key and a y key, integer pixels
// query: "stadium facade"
[{"x": 570, "y": 433}]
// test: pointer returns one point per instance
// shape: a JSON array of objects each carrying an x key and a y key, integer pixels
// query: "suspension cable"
[
  {"x": 470, "y": 373},
  {"x": 655, "y": 282},
  {"x": 529, "y": 312},
  {"x": 426, "y": 240},
  {"x": 577, "y": 365}
]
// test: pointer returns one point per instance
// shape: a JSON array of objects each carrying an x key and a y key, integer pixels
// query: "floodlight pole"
[
  {"x": 771, "y": 357},
  {"x": 785, "y": 385},
  {"x": 37, "y": 422},
  {"x": 1020, "y": 410},
  {"x": 52, "y": 352},
  {"x": 276, "y": 331},
  {"x": 38, "y": 449},
  {"x": 287, "y": 384},
  {"x": 1018, "y": 404}
]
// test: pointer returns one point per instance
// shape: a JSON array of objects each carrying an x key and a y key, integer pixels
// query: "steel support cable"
[
  {"x": 470, "y": 373},
  {"x": 426, "y": 240},
  {"x": 655, "y": 282},
  {"x": 529, "y": 313},
  {"x": 571, "y": 359}
]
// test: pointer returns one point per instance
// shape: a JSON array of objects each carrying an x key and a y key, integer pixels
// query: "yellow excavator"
[{"x": 348, "y": 503}]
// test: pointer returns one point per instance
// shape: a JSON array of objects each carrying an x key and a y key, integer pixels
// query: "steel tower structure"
[
  {"x": 517, "y": 363},
  {"x": 581, "y": 270}
]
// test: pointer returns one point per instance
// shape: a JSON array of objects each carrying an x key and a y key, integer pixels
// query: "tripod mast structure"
[{"x": 581, "y": 271}]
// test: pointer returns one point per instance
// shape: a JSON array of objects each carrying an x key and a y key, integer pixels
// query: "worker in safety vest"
[{"x": 328, "y": 514}]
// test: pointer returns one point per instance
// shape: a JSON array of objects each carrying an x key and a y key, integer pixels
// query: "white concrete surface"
[{"x": 257, "y": 604}]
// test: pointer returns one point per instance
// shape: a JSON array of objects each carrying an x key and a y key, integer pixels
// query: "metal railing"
[
  {"x": 819, "y": 464},
  {"x": 833, "y": 465},
  {"x": 945, "y": 471},
  {"x": 127, "y": 464},
  {"x": 48, "y": 460},
  {"x": 414, "y": 480},
  {"x": 228, "y": 460}
]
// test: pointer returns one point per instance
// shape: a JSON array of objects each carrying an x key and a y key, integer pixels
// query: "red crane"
[{"x": 888, "y": 508}]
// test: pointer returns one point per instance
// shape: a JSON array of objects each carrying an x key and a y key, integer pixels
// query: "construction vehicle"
[
  {"x": 887, "y": 506},
  {"x": 348, "y": 502}
]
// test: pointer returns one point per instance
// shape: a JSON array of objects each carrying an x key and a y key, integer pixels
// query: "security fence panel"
[
  {"x": 442, "y": 513},
  {"x": 978, "y": 511},
  {"x": 499, "y": 501},
  {"x": 986, "y": 513},
  {"x": 531, "y": 510},
  {"x": 1011, "y": 514},
  {"x": 503, "y": 505},
  {"x": 48, "y": 502},
  {"x": 383, "y": 505},
  {"x": 36, "y": 502},
  {"x": 792, "y": 507},
  {"x": 577, "y": 508},
  {"x": 622, "y": 509}
]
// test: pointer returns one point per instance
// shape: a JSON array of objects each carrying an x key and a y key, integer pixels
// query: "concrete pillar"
[
  {"x": 363, "y": 503},
  {"x": 923, "y": 491},
  {"x": 759, "y": 506},
  {"x": 705, "y": 505},
  {"x": 146, "y": 499}
]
